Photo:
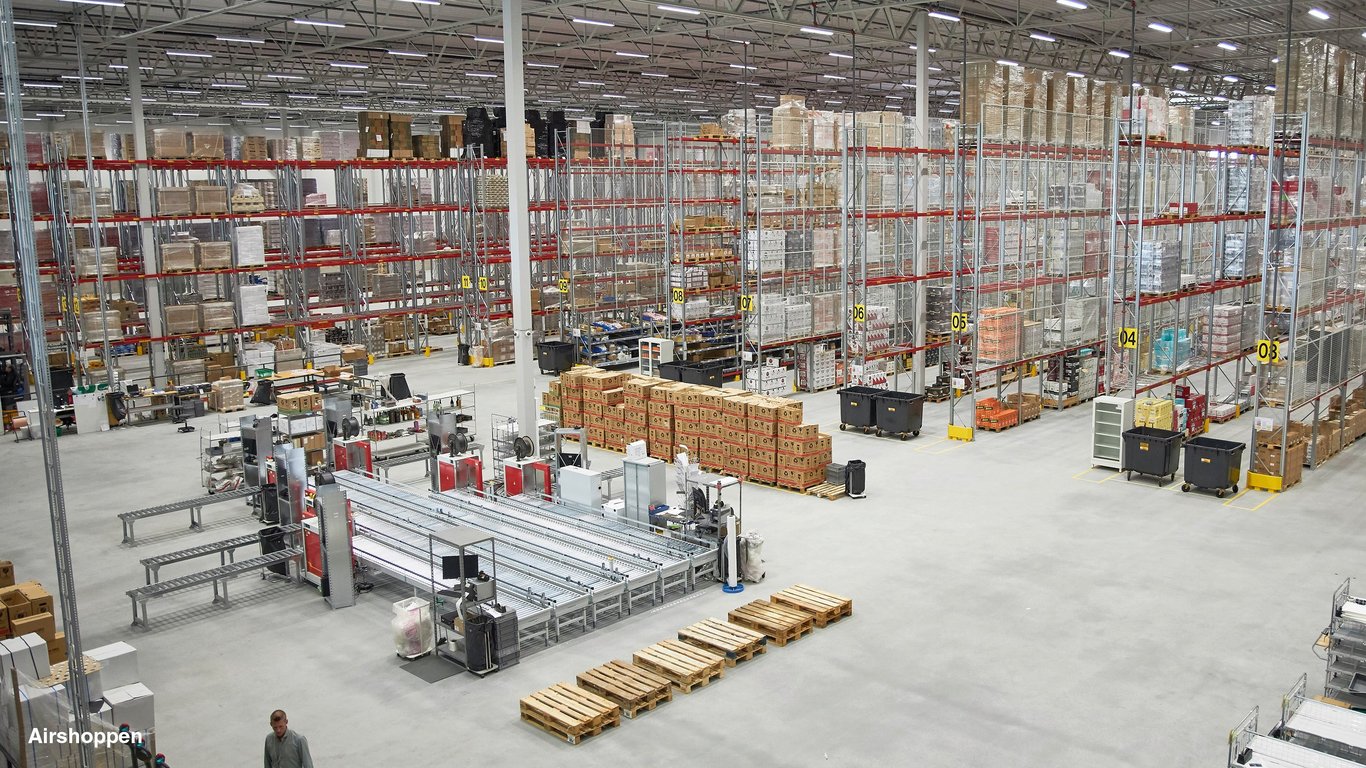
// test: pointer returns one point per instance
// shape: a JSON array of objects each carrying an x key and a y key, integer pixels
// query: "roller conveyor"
[
  {"x": 403, "y": 554},
  {"x": 683, "y": 562},
  {"x": 591, "y": 587}
]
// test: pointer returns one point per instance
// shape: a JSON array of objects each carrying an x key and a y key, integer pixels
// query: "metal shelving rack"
[
  {"x": 897, "y": 213},
  {"x": 1313, "y": 321},
  {"x": 704, "y": 211},
  {"x": 1029, "y": 270},
  {"x": 790, "y": 252},
  {"x": 613, "y": 250},
  {"x": 1178, "y": 209}
]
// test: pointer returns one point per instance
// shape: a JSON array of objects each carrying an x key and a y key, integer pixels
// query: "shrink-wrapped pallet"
[
  {"x": 251, "y": 246},
  {"x": 791, "y": 123}
]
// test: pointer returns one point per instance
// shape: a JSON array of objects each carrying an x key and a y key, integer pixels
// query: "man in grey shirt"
[{"x": 286, "y": 748}]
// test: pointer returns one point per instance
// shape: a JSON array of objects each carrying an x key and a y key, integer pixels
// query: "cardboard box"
[
  {"x": 178, "y": 257},
  {"x": 132, "y": 704},
  {"x": 210, "y": 199},
  {"x": 214, "y": 255},
  {"x": 39, "y": 601},
  {"x": 175, "y": 201},
  {"x": 18, "y": 605},
  {"x": 43, "y": 625},
  {"x": 761, "y": 441},
  {"x": 6, "y": 573},
  {"x": 56, "y": 650},
  {"x": 118, "y": 664}
]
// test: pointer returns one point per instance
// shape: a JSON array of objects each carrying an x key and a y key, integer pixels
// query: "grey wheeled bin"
[
  {"x": 1152, "y": 451},
  {"x": 1213, "y": 465},
  {"x": 858, "y": 409},
  {"x": 899, "y": 413}
]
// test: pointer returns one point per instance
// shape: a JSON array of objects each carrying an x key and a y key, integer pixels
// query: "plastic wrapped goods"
[
  {"x": 791, "y": 123},
  {"x": 411, "y": 626}
]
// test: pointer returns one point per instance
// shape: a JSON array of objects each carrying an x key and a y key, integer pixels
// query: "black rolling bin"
[
  {"x": 556, "y": 357},
  {"x": 857, "y": 408},
  {"x": 898, "y": 413},
  {"x": 1152, "y": 451},
  {"x": 1213, "y": 465}
]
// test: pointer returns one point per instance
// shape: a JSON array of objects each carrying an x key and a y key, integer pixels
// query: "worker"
[{"x": 286, "y": 748}]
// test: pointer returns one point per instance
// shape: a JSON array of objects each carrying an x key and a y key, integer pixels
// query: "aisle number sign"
[
  {"x": 959, "y": 322},
  {"x": 747, "y": 302},
  {"x": 564, "y": 285},
  {"x": 859, "y": 313},
  {"x": 677, "y": 295},
  {"x": 1128, "y": 338},
  {"x": 483, "y": 283},
  {"x": 1268, "y": 351},
  {"x": 465, "y": 282}
]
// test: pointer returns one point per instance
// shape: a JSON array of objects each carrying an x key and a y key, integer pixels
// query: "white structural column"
[
  {"x": 922, "y": 244},
  {"x": 157, "y": 349},
  {"x": 519, "y": 229}
]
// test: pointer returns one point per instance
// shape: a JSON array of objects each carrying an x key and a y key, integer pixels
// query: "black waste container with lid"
[
  {"x": 1213, "y": 464},
  {"x": 1152, "y": 451},
  {"x": 708, "y": 373},
  {"x": 899, "y": 413},
  {"x": 857, "y": 408},
  {"x": 272, "y": 541}
]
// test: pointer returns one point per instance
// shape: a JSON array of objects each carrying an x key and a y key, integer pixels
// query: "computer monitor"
[{"x": 451, "y": 567}]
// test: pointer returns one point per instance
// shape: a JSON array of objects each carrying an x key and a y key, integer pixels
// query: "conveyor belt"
[
  {"x": 154, "y": 563},
  {"x": 1343, "y": 729},
  {"x": 195, "y": 507},
  {"x": 411, "y": 564},
  {"x": 570, "y": 582},
  {"x": 678, "y": 561},
  {"x": 611, "y": 563},
  {"x": 1270, "y": 752}
]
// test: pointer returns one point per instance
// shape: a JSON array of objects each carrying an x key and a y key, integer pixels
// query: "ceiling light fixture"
[
  {"x": 679, "y": 9},
  {"x": 189, "y": 54},
  {"x": 834, "y": 77},
  {"x": 653, "y": 74},
  {"x": 1080, "y": 6},
  {"x": 1230, "y": 79},
  {"x": 110, "y": 3},
  {"x": 539, "y": 65},
  {"x": 247, "y": 40},
  {"x": 742, "y": 66},
  {"x": 1270, "y": 87},
  {"x": 1043, "y": 37},
  {"x": 50, "y": 114},
  {"x": 684, "y": 90},
  {"x": 630, "y": 55},
  {"x": 1319, "y": 14},
  {"x": 303, "y": 96},
  {"x": 347, "y": 65},
  {"x": 409, "y": 54},
  {"x": 78, "y": 77},
  {"x": 942, "y": 16},
  {"x": 1007, "y": 63},
  {"x": 424, "y": 2},
  {"x": 594, "y": 82},
  {"x": 254, "y": 103},
  {"x": 818, "y": 31},
  {"x": 1158, "y": 26},
  {"x": 237, "y": 86},
  {"x": 1228, "y": 46},
  {"x": 480, "y": 74},
  {"x": 443, "y": 112},
  {"x": 1181, "y": 68},
  {"x": 54, "y": 86},
  {"x": 1075, "y": 74},
  {"x": 184, "y": 114},
  {"x": 490, "y": 40},
  {"x": 285, "y": 77},
  {"x": 412, "y": 85},
  {"x": 180, "y": 92},
  {"x": 840, "y": 55},
  {"x": 220, "y": 124},
  {"x": 1117, "y": 53},
  {"x": 313, "y": 23},
  {"x": 406, "y": 102},
  {"x": 592, "y": 23},
  {"x": 42, "y": 24},
  {"x": 353, "y": 108},
  {"x": 613, "y": 96}
]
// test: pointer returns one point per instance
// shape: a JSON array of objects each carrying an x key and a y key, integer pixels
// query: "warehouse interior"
[{"x": 1037, "y": 330}]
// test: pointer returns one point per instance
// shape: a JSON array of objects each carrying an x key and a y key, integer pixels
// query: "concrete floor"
[{"x": 1012, "y": 608}]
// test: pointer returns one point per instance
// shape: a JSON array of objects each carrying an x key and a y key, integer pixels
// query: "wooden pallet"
[
  {"x": 231, "y": 409},
  {"x": 570, "y": 713},
  {"x": 736, "y": 643},
  {"x": 780, "y": 623},
  {"x": 1067, "y": 402},
  {"x": 824, "y": 606},
  {"x": 827, "y": 490},
  {"x": 630, "y": 687},
  {"x": 685, "y": 665}
]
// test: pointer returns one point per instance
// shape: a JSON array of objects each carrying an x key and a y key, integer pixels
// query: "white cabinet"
[
  {"x": 1110, "y": 418},
  {"x": 654, "y": 352}
]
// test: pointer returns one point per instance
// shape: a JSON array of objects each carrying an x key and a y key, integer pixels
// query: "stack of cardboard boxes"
[
  {"x": 226, "y": 396},
  {"x": 27, "y": 608},
  {"x": 728, "y": 430}
]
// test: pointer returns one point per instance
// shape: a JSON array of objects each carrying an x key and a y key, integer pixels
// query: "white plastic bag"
[
  {"x": 412, "y": 627},
  {"x": 751, "y": 556}
]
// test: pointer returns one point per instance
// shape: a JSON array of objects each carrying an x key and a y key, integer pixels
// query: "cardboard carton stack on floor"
[{"x": 728, "y": 430}]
